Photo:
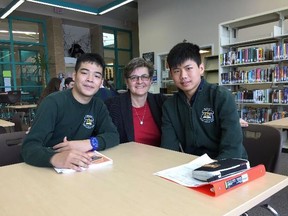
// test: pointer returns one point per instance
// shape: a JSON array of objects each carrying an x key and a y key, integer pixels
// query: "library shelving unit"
[
  {"x": 211, "y": 68},
  {"x": 253, "y": 59}
]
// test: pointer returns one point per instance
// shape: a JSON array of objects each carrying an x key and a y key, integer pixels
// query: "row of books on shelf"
[
  {"x": 261, "y": 115},
  {"x": 246, "y": 55},
  {"x": 256, "y": 75},
  {"x": 262, "y": 96},
  {"x": 254, "y": 54},
  {"x": 280, "y": 51}
]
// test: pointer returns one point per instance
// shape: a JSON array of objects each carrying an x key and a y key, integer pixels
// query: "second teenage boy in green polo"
[{"x": 201, "y": 117}]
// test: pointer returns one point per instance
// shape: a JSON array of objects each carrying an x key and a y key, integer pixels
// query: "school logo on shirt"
[
  {"x": 88, "y": 122},
  {"x": 207, "y": 115}
]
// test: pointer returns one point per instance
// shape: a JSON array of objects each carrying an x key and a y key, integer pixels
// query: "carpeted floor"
[{"x": 280, "y": 200}]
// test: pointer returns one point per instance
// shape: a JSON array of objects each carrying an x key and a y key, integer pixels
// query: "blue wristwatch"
[{"x": 94, "y": 143}]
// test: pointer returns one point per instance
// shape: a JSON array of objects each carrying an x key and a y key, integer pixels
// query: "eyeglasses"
[{"x": 144, "y": 77}]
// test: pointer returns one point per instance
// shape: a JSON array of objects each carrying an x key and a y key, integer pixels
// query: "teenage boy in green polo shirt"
[
  {"x": 201, "y": 117},
  {"x": 70, "y": 123}
]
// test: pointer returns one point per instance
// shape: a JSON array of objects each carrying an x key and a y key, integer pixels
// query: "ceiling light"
[
  {"x": 204, "y": 51},
  {"x": 19, "y": 32},
  {"x": 11, "y": 7},
  {"x": 64, "y": 6},
  {"x": 108, "y": 7}
]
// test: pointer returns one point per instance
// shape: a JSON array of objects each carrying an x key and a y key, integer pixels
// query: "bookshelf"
[
  {"x": 211, "y": 68},
  {"x": 253, "y": 64}
]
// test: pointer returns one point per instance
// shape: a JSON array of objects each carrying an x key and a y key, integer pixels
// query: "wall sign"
[{"x": 149, "y": 57}]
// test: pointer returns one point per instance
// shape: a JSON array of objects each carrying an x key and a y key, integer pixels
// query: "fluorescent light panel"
[
  {"x": 12, "y": 8},
  {"x": 204, "y": 51},
  {"x": 114, "y": 7},
  {"x": 19, "y": 32},
  {"x": 19, "y": 2},
  {"x": 64, "y": 7}
]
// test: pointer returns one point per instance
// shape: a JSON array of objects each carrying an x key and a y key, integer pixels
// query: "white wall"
[{"x": 163, "y": 23}]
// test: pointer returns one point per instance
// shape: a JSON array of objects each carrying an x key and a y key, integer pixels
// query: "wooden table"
[
  {"x": 27, "y": 108},
  {"x": 5, "y": 123},
  {"x": 282, "y": 125},
  {"x": 9, "y": 126},
  {"x": 126, "y": 188},
  {"x": 24, "y": 106},
  {"x": 279, "y": 123}
]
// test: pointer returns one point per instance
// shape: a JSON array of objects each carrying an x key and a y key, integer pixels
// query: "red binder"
[{"x": 222, "y": 186}]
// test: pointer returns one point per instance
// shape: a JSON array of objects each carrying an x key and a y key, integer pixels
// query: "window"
[
  {"x": 117, "y": 45},
  {"x": 22, "y": 43}
]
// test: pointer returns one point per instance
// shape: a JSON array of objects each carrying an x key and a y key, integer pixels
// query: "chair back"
[
  {"x": 17, "y": 119},
  {"x": 14, "y": 97},
  {"x": 10, "y": 147},
  {"x": 2, "y": 130},
  {"x": 263, "y": 145},
  {"x": 4, "y": 98}
]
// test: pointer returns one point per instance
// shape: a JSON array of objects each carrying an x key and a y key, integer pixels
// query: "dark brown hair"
[
  {"x": 52, "y": 86},
  {"x": 136, "y": 63}
]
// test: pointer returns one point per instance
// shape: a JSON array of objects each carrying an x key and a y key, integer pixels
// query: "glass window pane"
[
  {"x": 4, "y": 33},
  {"x": 27, "y": 55},
  {"x": 120, "y": 78},
  {"x": 123, "y": 40},
  {"x": 5, "y": 52},
  {"x": 19, "y": 47},
  {"x": 29, "y": 73},
  {"x": 109, "y": 57},
  {"x": 29, "y": 79},
  {"x": 25, "y": 72},
  {"x": 33, "y": 65},
  {"x": 26, "y": 31},
  {"x": 109, "y": 73},
  {"x": 108, "y": 38},
  {"x": 123, "y": 57}
]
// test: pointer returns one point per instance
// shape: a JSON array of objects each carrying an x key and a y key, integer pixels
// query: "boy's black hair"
[
  {"x": 183, "y": 52},
  {"x": 90, "y": 57}
]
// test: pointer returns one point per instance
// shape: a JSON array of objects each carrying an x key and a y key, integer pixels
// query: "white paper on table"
[{"x": 183, "y": 174}]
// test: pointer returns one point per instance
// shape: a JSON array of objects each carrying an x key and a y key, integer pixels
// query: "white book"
[{"x": 98, "y": 160}]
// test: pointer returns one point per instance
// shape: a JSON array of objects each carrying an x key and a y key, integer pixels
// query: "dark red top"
[{"x": 147, "y": 133}]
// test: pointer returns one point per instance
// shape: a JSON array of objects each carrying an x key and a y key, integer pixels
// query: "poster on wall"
[
  {"x": 7, "y": 80},
  {"x": 149, "y": 57},
  {"x": 154, "y": 78},
  {"x": 76, "y": 40}
]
